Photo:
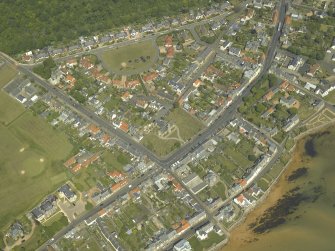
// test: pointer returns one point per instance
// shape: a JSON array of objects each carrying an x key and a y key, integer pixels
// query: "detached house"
[
  {"x": 293, "y": 121},
  {"x": 45, "y": 209},
  {"x": 66, "y": 192},
  {"x": 295, "y": 63},
  {"x": 289, "y": 102},
  {"x": 234, "y": 51}
]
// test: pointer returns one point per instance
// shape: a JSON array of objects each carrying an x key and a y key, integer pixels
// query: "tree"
[
  {"x": 260, "y": 108},
  {"x": 272, "y": 80},
  {"x": 45, "y": 69},
  {"x": 35, "y": 24},
  {"x": 251, "y": 157}
]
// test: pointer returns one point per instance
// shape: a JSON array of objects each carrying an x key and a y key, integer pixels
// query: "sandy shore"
[{"x": 242, "y": 235}]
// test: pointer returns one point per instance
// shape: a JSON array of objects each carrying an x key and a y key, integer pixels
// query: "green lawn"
[
  {"x": 159, "y": 146},
  {"x": 213, "y": 238},
  {"x": 220, "y": 189},
  {"x": 238, "y": 157},
  {"x": 7, "y": 73},
  {"x": 263, "y": 184},
  {"x": 43, "y": 233},
  {"x": 9, "y": 108},
  {"x": 116, "y": 159},
  {"x": 188, "y": 125},
  {"x": 31, "y": 155},
  {"x": 331, "y": 97},
  {"x": 130, "y": 59}
]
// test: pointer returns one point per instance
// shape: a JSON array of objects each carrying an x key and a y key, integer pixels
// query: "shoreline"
[{"x": 240, "y": 232}]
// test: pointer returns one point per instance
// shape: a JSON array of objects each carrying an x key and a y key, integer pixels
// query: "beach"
[{"x": 297, "y": 214}]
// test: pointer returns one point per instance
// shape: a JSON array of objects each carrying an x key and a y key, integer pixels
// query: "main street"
[{"x": 139, "y": 149}]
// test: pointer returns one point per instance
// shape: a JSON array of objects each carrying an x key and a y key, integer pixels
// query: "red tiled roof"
[
  {"x": 184, "y": 225},
  {"x": 95, "y": 72},
  {"x": 249, "y": 60},
  {"x": 105, "y": 79},
  {"x": 70, "y": 79},
  {"x": 124, "y": 126},
  {"x": 170, "y": 52},
  {"x": 106, "y": 138},
  {"x": 116, "y": 174},
  {"x": 197, "y": 83},
  {"x": 70, "y": 161},
  {"x": 102, "y": 212},
  {"x": 119, "y": 185},
  {"x": 86, "y": 63},
  {"x": 240, "y": 198},
  {"x": 243, "y": 182},
  {"x": 150, "y": 77},
  {"x": 177, "y": 186},
  {"x": 76, "y": 168},
  {"x": 94, "y": 129},
  {"x": 169, "y": 41},
  {"x": 136, "y": 190},
  {"x": 284, "y": 85},
  {"x": 133, "y": 83}
]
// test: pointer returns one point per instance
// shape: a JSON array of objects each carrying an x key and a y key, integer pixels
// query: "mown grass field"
[
  {"x": 131, "y": 59},
  {"x": 331, "y": 97},
  {"x": 159, "y": 146},
  {"x": 31, "y": 157},
  {"x": 188, "y": 125}
]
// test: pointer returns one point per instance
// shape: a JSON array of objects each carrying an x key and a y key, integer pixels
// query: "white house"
[{"x": 202, "y": 233}]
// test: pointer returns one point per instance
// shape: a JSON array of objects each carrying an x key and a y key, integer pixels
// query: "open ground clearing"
[
  {"x": 31, "y": 155},
  {"x": 331, "y": 97},
  {"x": 130, "y": 59},
  {"x": 188, "y": 125},
  {"x": 158, "y": 145},
  {"x": 182, "y": 120}
]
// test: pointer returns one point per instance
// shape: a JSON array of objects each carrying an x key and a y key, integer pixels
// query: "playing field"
[
  {"x": 31, "y": 156},
  {"x": 130, "y": 59}
]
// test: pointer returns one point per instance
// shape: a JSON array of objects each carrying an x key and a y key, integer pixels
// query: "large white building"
[{"x": 182, "y": 245}]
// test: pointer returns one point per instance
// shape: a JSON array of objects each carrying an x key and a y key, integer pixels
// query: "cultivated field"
[
  {"x": 131, "y": 59},
  {"x": 31, "y": 155}
]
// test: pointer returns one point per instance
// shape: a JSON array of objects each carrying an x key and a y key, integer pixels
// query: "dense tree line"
[
  {"x": 32, "y": 24},
  {"x": 45, "y": 69}
]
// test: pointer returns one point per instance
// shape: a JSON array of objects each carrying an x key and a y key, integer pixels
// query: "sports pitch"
[{"x": 130, "y": 59}]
